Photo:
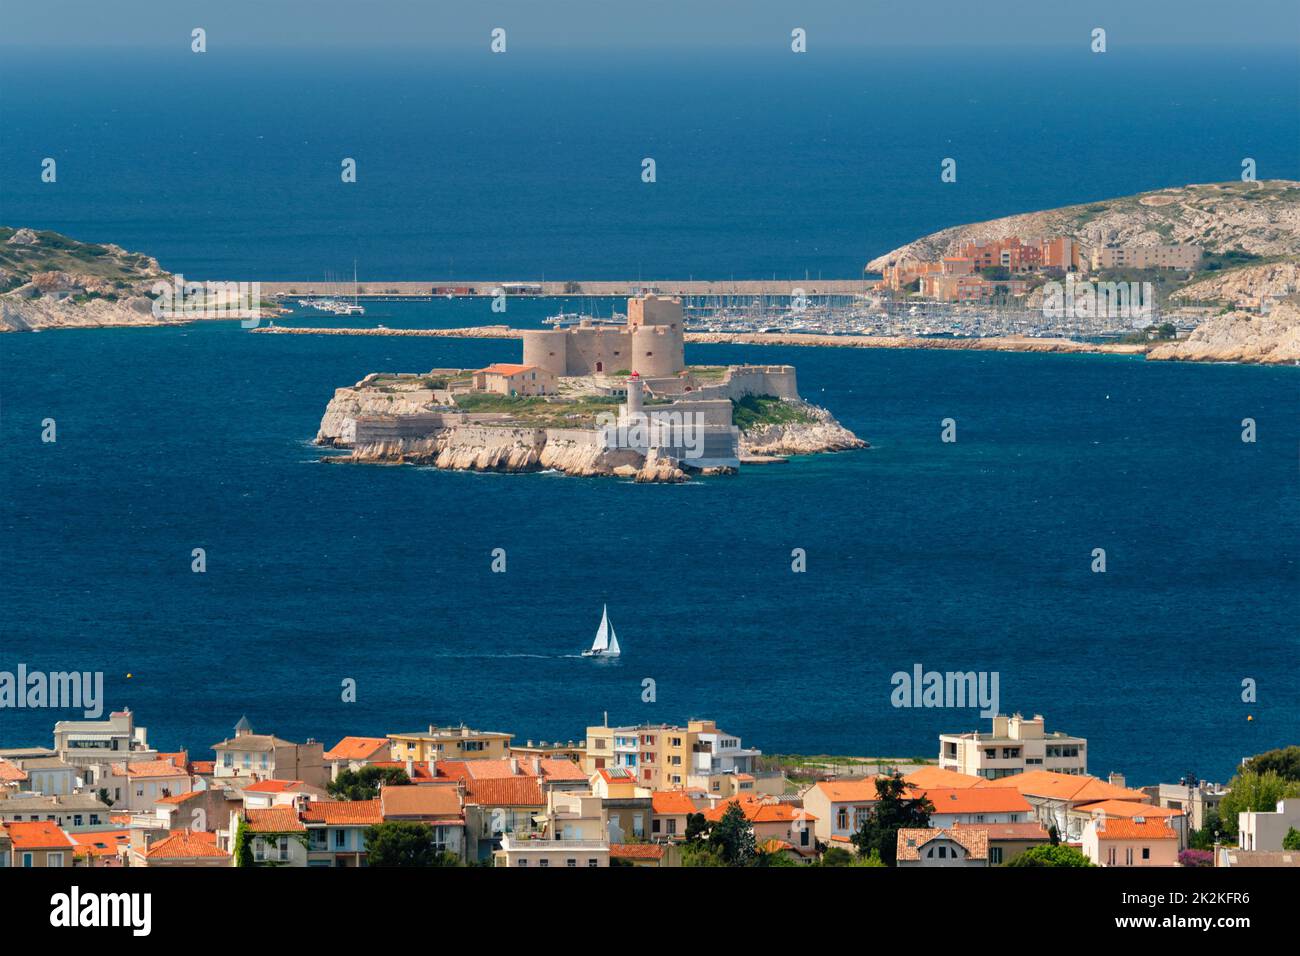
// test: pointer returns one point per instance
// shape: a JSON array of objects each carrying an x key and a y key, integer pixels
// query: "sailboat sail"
[
  {"x": 613, "y": 643},
  {"x": 602, "y": 635}
]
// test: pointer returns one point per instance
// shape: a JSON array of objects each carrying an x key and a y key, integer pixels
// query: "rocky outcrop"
[
  {"x": 660, "y": 469},
  {"x": 1272, "y": 339},
  {"x": 339, "y": 423},
  {"x": 19, "y": 312},
  {"x": 1260, "y": 218},
  {"x": 820, "y": 433},
  {"x": 1248, "y": 283}
]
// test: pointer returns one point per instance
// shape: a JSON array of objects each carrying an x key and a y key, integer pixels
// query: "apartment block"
[
  {"x": 1016, "y": 745},
  {"x": 1182, "y": 257},
  {"x": 665, "y": 757}
]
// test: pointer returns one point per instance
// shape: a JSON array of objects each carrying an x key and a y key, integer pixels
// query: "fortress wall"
[
  {"x": 775, "y": 380},
  {"x": 611, "y": 349},
  {"x": 547, "y": 350},
  {"x": 584, "y": 437},
  {"x": 658, "y": 351},
  {"x": 370, "y": 429}
]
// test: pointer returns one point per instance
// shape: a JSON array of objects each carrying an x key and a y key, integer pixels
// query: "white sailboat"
[{"x": 606, "y": 643}]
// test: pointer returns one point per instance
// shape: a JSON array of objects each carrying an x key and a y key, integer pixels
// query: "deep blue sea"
[
  {"x": 970, "y": 556},
  {"x": 227, "y": 164}
]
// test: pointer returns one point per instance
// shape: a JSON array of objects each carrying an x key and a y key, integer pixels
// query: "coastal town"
[{"x": 1013, "y": 793}]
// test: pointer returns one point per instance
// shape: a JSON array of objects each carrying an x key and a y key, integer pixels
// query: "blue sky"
[{"x": 611, "y": 24}]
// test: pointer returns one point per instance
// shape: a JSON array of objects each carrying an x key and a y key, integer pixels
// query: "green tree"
[
  {"x": 1292, "y": 839},
  {"x": 733, "y": 837},
  {"x": 243, "y": 844},
  {"x": 697, "y": 828},
  {"x": 364, "y": 784},
  {"x": 1203, "y": 839},
  {"x": 701, "y": 854},
  {"x": 837, "y": 856},
  {"x": 1249, "y": 791},
  {"x": 1285, "y": 762},
  {"x": 893, "y": 811},
  {"x": 404, "y": 844},
  {"x": 1048, "y": 855}
]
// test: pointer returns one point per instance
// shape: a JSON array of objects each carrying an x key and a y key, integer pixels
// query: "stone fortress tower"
[{"x": 652, "y": 343}]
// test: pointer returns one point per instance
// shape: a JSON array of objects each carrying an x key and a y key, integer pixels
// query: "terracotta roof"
[
  {"x": 357, "y": 748},
  {"x": 617, "y": 774},
  {"x": 1119, "y": 828},
  {"x": 11, "y": 773},
  {"x": 38, "y": 835},
  {"x": 180, "y": 758},
  {"x": 344, "y": 812},
  {"x": 505, "y": 792},
  {"x": 977, "y": 800},
  {"x": 1007, "y": 831},
  {"x": 1073, "y": 788},
  {"x": 775, "y": 846},
  {"x": 671, "y": 802},
  {"x": 155, "y": 768},
  {"x": 180, "y": 797},
  {"x": 636, "y": 851},
  {"x": 430, "y": 801},
  {"x": 274, "y": 786},
  {"x": 851, "y": 791},
  {"x": 419, "y": 772},
  {"x": 974, "y": 839},
  {"x": 203, "y": 766},
  {"x": 273, "y": 820},
  {"x": 757, "y": 811},
  {"x": 101, "y": 842},
  {"x": 561, "y": 768},
  {"x": 502, "y": 368},
  {"x": 940, "y": 777},
  {"x": 185, "y": 844},
  {"x": 1127, "y": 808}
]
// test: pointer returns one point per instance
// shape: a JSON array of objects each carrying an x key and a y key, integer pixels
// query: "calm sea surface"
[
  {"x": 970, "y": 556},
  {"x": 973, "y": 556}
]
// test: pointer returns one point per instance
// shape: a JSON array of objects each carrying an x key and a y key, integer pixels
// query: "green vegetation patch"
[
  {"x": 539, "y": 412},
  {"x": 754, "y": 410}
]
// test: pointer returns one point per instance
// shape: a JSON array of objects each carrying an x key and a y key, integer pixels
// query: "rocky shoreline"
[{"x": 512, "y": 448}]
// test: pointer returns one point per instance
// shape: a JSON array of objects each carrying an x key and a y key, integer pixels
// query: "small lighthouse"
[{"x": 634, "y": 386}]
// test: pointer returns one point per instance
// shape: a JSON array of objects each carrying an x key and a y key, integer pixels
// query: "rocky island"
[{"x": 593, "y": 400}]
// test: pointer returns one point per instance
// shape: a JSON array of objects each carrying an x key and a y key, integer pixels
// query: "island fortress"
[
  {"x": 596, "y": 398},
  {"x": 651, "y": 343}
]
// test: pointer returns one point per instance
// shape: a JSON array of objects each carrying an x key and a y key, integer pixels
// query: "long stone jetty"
[
  {"x": 571, "y": 287},
  {"x": 1008, "y": 343}
]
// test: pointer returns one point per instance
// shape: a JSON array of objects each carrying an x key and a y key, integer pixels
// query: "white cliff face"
[
  {"x": 339, "y": 424},
  {"x": 506, "y": 447},
  {"x": 822, "y": 434},
  {"x": 1272, "y": 339},
  {"x": 20, "y": 314}
]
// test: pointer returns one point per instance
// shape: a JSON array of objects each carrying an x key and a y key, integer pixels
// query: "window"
[
  {"x": 27, "y": 860},
  {"x": 54, "y": 859},
  {"x": 1146, "y": 853},
  {"x": 672, "y": 827},
  {"x": 522, "y": 863},
  {"x": 995, "y": 855},
  {"x": 943, "y": 853},
  {"x": 842, "y": 818},
  {"x": 571, "y": 862},
  {"x": 339, "y": 840},
  {"x": 543, "y": 862},
  {"x": 593, "y": 862}
]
